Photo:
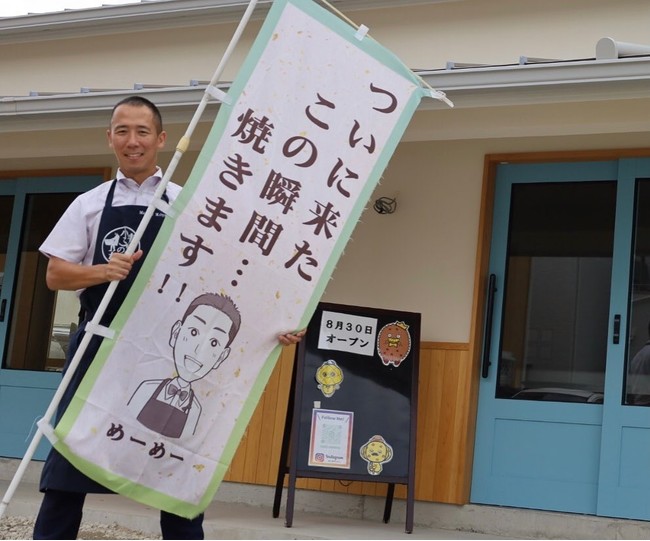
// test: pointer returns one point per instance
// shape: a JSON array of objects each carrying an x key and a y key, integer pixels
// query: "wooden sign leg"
[
  {"x": 388, "y": 506},
  {"x": 291, "y": 493},
  {"x": 283, "y": 466},
  {"x": 410, "y": 500}
]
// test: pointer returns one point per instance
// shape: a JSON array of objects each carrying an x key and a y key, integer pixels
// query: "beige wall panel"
[
  {"x": 476, "y": 31},
  {"x": 430, "y": 241},
  {"x": 529, "y": 121},
  {"x": 498, "y": 32},
  {"x": 170, "y": 57}
]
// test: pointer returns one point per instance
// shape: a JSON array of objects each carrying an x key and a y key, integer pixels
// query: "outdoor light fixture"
[{"x": 385, "y": 205}]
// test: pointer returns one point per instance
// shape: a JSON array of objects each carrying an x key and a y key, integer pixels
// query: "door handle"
[
  {"x": 487, "y": 336},
  {"x": 3, "y": 308},
  {"x": 616, "y": 336}
]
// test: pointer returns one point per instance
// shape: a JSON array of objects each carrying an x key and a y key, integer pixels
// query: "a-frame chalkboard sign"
[{"x": 352, "y": 412}]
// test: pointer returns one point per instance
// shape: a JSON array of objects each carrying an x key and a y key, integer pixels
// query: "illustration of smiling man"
[{"x": 200, "y": 343}]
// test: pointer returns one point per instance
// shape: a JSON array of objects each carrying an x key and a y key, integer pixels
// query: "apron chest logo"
[{"x": 117, "y": 240}]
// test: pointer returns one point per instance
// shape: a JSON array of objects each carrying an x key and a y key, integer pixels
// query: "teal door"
[
  {"x": 561, "y": 422},
  {"x": 35, "y": 323}
]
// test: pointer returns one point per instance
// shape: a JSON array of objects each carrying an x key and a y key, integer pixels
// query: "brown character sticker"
[
  {"x": 376, "y": 452},
  {"x": 394, "y": 343}
]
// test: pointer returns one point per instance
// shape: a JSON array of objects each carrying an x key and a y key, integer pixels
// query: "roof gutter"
[
  {"x": 568, "y": 81},
  {"x": 587, "y": 80}
]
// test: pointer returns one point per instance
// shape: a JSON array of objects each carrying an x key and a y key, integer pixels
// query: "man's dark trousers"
[{"x": 60, "y": 517}]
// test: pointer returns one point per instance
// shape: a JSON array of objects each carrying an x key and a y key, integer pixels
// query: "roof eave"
[
  {"x": 493, "y": 86},
  {"x": 569, "y": 81}
]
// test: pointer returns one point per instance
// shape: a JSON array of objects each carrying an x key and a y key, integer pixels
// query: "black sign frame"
[{"x": 379, "y": 388}]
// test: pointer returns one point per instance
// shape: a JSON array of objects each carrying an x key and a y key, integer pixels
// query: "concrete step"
[
  {"x": 242, "y": 511},
  {"x": 234, "y": 519}
]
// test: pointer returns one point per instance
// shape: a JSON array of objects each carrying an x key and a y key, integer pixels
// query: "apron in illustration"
[
  {"x": 164, "y": 418},
  {"x": 116, "y": 228}
]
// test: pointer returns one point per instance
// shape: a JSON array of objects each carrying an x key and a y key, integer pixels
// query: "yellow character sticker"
[
  {"x": 329, "y": 377},
  {"x": 376, "y": 452}
]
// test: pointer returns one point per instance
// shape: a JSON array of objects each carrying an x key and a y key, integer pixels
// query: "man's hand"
[
  {"x": 290, "y": 338},
  {"x": 119, "y": 265},
  {"x": 62, "y": 274}
]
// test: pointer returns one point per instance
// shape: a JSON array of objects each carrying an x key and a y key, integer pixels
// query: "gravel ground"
[{"x": 12, "y": 527}]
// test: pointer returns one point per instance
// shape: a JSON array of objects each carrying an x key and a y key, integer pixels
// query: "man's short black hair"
[{"x": 139, "y": 101}]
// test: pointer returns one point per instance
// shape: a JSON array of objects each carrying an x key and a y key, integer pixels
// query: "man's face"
[
  {"x": 200, "y": 342},
  {"x": 135, "y": 140}
]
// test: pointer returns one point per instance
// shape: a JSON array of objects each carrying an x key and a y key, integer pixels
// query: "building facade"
[{"x": 519, "y": 234}]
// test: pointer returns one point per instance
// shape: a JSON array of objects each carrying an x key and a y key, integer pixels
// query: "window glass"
[
  {"x": 41, "y": 320},
  {"x": 557, "y": 289}
]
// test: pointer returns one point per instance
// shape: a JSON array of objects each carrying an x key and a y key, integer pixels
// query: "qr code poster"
[{"x": 330, "y": 443}]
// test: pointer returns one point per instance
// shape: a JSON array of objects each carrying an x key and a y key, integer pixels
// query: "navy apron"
[{"x": 116, "y": 227}]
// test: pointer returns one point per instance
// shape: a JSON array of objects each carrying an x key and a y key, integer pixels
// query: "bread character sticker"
[
  {"x": 394, "y": 343},
  {"x": 376, "y": 452},
  {"x": 329, "y": 377}
]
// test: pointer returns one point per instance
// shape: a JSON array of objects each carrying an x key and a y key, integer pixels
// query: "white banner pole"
[{"x": 43, "y": 424}]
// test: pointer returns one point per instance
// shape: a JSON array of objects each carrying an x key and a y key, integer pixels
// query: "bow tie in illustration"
[{"x": 176, "y": 391}]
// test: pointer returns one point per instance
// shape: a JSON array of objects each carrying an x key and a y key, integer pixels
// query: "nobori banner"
[{"x": 296, "y": 150}]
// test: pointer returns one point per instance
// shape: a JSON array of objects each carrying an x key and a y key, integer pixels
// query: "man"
[
  {"x": 200, "y": 343},
  {"x": 86, "y": 252}
]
